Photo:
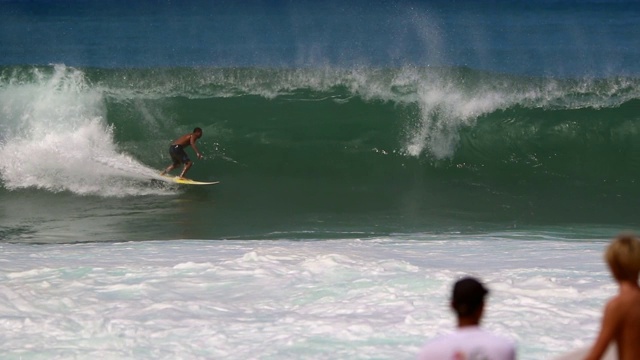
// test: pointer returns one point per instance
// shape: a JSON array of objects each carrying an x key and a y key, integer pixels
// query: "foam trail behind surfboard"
[{"x": 56, "y": 138}]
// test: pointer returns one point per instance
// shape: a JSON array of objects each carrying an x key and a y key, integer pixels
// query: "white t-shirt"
[{"x": 469, "y": 343}]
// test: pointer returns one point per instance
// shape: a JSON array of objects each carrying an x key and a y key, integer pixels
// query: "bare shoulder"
[
  {"x": 623, "y": 311},
  {"x": 614, "y": 314},
  {"x": 616, "y": 307},
  {"x": 629, "y": 296}
]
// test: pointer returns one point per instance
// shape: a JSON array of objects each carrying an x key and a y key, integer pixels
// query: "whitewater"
[{"x": 377, "y": 298}]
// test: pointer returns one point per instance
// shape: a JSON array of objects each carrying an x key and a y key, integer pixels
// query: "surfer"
[
  {"x": 621, "y": 320},
  {"x": 178, "y": 156},
  {"x": 469, "y": 341}
]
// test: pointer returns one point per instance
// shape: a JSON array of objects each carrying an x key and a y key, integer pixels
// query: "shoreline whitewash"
[{"x": 280, "y": 299}]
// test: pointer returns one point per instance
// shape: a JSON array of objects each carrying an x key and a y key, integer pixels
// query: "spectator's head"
[
  {"x": 468, "y": 297},
  {"x": 623, "y": 257}
]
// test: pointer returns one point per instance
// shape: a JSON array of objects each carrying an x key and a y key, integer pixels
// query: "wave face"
[{"x": 408, "y": 141}]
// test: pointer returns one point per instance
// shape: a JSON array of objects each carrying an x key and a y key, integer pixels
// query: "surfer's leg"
[
  {"x": 168, "y": 169},
  {"x": 187, "y": 166},
  {"x": 175, "y": 152},
  {"x": 171, "y": 167}
]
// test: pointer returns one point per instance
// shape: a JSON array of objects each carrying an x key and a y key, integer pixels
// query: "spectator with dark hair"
[{"x": 469, "y": 341}]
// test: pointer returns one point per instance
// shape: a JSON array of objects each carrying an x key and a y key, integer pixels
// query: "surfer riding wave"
[{"x": 179, "y": 156}]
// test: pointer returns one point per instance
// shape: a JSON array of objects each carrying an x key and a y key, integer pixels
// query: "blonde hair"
[{"x": 623, "y": 257}]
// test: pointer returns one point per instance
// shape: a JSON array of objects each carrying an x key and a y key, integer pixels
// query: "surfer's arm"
[{"x": 192, "y": 140}]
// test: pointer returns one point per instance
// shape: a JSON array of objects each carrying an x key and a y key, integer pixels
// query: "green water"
[{"x": 313, "y": 153}]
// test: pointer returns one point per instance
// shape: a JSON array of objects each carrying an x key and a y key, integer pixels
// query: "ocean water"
[{"x": 368, "y": 153}]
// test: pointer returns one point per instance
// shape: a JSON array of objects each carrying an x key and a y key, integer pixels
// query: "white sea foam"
[
  {"x": 344, "y": 299},
  {"x": 55, "y": 137}
]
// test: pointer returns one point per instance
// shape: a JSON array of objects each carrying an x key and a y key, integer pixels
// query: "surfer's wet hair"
[{"x": 197, "y": 130}]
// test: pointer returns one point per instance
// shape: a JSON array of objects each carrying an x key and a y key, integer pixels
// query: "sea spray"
[{"x": 56, "y": 137}]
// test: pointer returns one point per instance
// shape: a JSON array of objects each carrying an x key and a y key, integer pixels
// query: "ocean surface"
[{"x": 369, "y": 153}]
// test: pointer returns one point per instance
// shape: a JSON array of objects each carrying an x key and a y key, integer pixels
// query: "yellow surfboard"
[{"x": 185, "y": 181}]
